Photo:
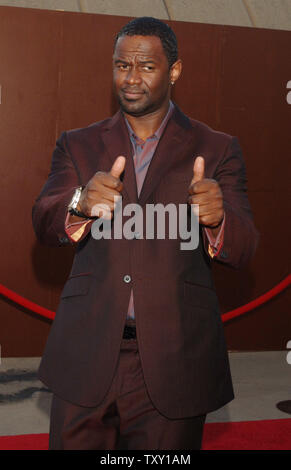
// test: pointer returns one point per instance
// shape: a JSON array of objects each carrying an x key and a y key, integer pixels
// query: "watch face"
[{"x": 75, "y": 199}]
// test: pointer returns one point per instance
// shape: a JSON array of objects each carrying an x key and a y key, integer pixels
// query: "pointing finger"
[
  {"x": 198, "y": 170},
  {"x": 118, "y": 166}
]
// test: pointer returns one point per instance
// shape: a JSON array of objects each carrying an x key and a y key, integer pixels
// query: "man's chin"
[{"x": 134, "y": 108}]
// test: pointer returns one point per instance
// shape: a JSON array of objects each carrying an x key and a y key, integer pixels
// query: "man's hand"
[
  {"x": 97, "y": 197},
  {"x": 207, "y": 193}
]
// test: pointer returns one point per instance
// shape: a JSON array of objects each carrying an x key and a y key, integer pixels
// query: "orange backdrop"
[{"x": 55, "y": 74}]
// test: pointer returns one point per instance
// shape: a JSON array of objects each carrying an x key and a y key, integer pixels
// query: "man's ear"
[{"x": 175, "y": 71}]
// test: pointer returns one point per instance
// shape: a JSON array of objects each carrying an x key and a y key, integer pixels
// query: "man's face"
[{"x": 141, "y": 74}]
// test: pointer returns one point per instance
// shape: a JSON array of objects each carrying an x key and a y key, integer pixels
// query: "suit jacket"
[{"x": 179, "y": 329}]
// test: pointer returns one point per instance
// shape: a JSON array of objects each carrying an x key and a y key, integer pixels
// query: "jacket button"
[
  {"x": 127, "y": 278},
  {"x": 223, "y": 254}
]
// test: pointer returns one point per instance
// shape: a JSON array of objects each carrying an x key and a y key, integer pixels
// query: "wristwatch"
[{"x": 72, "y": 207}]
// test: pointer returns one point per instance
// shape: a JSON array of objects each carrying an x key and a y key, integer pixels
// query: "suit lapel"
[
  {"x": 172, "y": 146},
  {"x": 117, "y": 142}
]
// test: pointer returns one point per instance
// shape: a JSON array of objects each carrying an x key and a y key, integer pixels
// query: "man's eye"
[
  {"x": 122, "y": 67},
  {"x": 148, "y": 68}
]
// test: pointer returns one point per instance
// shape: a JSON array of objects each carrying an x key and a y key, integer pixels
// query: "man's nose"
[{"x": 133, "y": 76}]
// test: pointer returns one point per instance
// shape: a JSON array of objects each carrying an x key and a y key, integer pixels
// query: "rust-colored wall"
[{"x": 55, "y": 74}]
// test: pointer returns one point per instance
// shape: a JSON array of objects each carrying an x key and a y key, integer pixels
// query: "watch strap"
[
  {"x": 72, "y": 207},
  {"x": 78, "y": 213}
]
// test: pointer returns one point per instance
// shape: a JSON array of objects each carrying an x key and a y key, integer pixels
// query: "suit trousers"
[{"x": 125, "y": 420}]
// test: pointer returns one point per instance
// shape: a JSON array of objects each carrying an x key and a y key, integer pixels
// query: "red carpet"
[
  {"x": 272, "y": 434},
  {"x": 247, "y": 435}
]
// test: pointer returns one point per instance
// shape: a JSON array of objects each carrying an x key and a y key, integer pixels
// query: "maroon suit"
[{"x": 179, "y": 330}]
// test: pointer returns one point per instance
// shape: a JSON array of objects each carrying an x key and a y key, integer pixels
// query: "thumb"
[
  {"x": 198, "y": 170},
  {"x": 118, "y": 166}
]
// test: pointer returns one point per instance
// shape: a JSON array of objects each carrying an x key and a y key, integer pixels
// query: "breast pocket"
[
  {"x": 200, "y": 296},
  {"x": 76, "y": 285},
  {"x": 173, "y": 189}
]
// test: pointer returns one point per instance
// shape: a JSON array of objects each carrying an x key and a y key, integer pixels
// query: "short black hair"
[{"x": 148, "y": 26}]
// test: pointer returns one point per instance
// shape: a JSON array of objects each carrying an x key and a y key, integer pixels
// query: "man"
[{"x": 136, "y": 355}]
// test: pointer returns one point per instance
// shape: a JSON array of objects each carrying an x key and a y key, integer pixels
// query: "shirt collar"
[{"x": 159, "y": 131}]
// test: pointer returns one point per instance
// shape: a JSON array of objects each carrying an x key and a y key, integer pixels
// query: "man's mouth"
[{"x": 132, "y": 94}]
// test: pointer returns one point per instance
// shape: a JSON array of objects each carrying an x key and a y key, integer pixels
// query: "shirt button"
[
  {"x": 64, "y": 240},
  {"x": 127, "y": 278}
]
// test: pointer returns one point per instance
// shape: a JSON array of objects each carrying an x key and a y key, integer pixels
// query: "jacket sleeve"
[
  {"x": 50, "y": 208},
  {"x": 240, "y": 235}
]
